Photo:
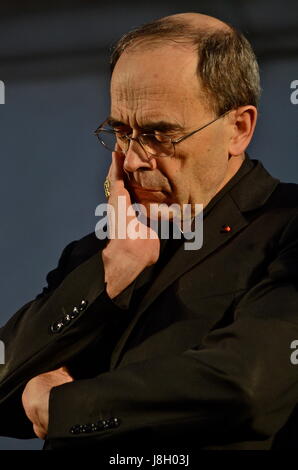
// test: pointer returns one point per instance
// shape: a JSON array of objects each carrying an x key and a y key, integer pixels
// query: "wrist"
[{"x": 121, "y": 269}]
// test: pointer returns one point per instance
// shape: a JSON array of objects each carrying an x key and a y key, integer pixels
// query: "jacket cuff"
[{"x": 123, "y": 299}]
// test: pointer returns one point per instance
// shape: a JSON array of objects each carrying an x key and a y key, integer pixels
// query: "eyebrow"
[{"x": 162, "y": 126}]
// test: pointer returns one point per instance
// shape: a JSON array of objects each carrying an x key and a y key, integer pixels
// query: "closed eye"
[{"x": 156, "y": 127}]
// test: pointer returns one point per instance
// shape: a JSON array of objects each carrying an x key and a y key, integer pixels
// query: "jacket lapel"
[{"x": 229, "y": 211}]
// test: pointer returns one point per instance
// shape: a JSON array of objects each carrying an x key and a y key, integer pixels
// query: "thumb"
[{"x": 65, "y": 372}]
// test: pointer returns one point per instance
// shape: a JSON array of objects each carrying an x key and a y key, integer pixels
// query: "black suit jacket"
[{"x": 199, "y": 355}]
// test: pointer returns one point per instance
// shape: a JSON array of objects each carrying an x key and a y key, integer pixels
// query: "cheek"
[
  {"x": 180, "y": 177},
  {"x": 174, "y": 172},
  {"x": 203, "y": 168}
]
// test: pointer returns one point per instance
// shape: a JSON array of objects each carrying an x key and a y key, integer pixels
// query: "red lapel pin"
[{"x": 226, "y": 229}]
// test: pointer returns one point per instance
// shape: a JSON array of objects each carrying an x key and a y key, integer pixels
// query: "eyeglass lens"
[{"x": 153, "y": 144}]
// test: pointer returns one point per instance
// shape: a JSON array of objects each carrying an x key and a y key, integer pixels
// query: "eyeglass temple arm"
[{"x": 200, "y": 128}]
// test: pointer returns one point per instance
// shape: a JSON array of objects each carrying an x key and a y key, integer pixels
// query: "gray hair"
[{"x": 227, "y": 67}]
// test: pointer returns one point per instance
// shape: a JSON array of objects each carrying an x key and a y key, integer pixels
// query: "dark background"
[{"x": 54, "y": 63}]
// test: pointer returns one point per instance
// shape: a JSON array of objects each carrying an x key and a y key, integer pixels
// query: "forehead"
[{"x": 155, "y": 81}]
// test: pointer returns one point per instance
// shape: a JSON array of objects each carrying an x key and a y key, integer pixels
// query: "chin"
[
  {"x": 149, "y": 197},
  {"x": 160, "y": 209}
]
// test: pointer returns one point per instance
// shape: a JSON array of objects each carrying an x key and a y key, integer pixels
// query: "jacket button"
[
  {"x": 66, "y": 318},
  {"x": 88, "y": 428},
  {"x": 114, "y": 422},
  {"x": 93, "y": 427},
  {"x": 105, "y": 424},
  {"x": 57, "y": 326},
  {"x": 75, "y": 312},
  {"x": 83, "y": 305},
  {"x": 75, "y": 429}
]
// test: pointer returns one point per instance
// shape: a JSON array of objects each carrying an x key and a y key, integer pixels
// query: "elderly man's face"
[{"x": 157, "y": 90}]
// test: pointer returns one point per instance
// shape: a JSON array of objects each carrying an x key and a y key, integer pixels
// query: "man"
[{"x": 140, "y": 338}]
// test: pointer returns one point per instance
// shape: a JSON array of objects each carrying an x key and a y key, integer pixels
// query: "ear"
[{"x": 243, "y": 120}]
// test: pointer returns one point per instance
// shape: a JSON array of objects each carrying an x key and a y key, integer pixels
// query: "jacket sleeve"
[
  {"x": 238, "y": 384},
  {"x": 71, "y": 313}
]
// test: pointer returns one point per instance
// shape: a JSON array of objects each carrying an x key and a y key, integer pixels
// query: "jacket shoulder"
[
  {"x": 285, "y": 195},
  {"x": 74, "y": 254}
]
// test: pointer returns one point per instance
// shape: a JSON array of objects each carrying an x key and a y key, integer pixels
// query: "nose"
[{"x": 136, "y": 158}]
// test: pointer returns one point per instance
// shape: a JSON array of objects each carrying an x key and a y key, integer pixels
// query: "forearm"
[
  {"x": 166, "y": 398},
  {"x": 120, "y": 272},
  {"x": 33, "y": 346},
  {"x": 123, "y": 262},
  {"x": 223, "y": 392}
]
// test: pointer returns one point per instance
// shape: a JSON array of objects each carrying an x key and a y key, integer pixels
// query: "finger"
[
  {"x": 39, "y": 431},
  {"x": 66, "y": 372},
  {"x": 63, "y": 371},
  {"x": 116, "y": 169},
  {"x": 118, "y": 150},
  {"x": 26, "y": 404}
]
